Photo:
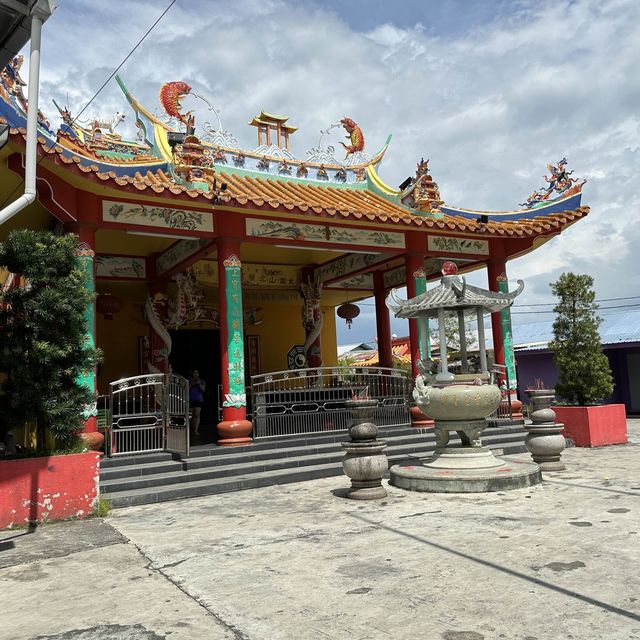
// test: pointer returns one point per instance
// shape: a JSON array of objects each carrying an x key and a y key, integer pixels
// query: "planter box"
[
  {"x": 48, "y": 488},
  {"x": 594, "y": 426}
]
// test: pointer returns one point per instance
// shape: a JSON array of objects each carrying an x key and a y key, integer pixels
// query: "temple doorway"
[{"x": 200, "y": 349}]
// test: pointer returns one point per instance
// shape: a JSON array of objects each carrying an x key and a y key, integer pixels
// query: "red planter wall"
[
  {"x": 48, "y": 488},
  {"x": 594, "y": 426}
]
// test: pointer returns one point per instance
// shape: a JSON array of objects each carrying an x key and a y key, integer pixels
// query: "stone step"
[
  {"x": 142, "y": 458},
  {"x": 219, "y": 456},
  {"x": 246, "y": 480},
  {"x": 166, "y": 477},
  {"x": 173, "y": 479}
]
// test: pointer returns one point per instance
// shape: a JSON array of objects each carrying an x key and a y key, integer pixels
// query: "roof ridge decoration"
[
  {"x": 559, "y": 181},
  {"x": 423, "y": 193},
  {"x": 222, "y": 148}
]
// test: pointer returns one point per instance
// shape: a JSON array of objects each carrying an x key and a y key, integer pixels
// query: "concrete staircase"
[{"x": 159, "y": 477}]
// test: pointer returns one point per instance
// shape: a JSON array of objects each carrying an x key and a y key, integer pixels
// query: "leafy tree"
[
  {"x": 43, "y": 347},
  {"x": 585, "y": 375}
]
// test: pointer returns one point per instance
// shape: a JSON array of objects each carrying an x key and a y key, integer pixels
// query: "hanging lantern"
[
  {"x": 348, "y": 311},
  {"x": 108, "y": 304}
]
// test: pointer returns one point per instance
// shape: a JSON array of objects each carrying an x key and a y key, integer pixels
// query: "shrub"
[
  {"x": 584, "y": 372},
  {"x": 43, "y": 346}
]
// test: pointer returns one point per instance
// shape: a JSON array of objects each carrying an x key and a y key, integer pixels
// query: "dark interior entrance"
[{"x": 200, "y": 349}]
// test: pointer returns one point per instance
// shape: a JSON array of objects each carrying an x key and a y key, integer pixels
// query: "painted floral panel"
[
  {"x": 154, "y": 216},
  {"x": 301, "y": 232}
]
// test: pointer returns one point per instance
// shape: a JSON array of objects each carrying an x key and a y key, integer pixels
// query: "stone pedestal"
[
  {"x": 545, "y": 441},
  {"x": 468, "y": 467},
  {"x": 365, "y": 461}
]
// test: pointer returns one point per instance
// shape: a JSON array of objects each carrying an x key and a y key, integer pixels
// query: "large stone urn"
[
  {"x": 544, "y": 440},
  {"x": 462, "y": 408},
  {"x": 365, "y": 462},
  {"x": 469, "y": 466}
]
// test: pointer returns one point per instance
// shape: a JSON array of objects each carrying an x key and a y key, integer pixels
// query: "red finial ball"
[{"x": 449, "y": 268}]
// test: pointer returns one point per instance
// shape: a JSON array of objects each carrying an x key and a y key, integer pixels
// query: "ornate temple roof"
[
  {"x": 452, "y": 294},
  {"x": 173, "y": 159},
  {"x": 301, "y": 197}
]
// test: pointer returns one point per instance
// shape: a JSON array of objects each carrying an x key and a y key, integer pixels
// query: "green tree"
[
  {"x": 43, "y": 347},
  {"x": 585, "y": 375}
]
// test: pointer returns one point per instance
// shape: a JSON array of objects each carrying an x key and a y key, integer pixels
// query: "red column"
[
  {"x": 495, "y": 270},
  {"x": 383, "y": 323},
  {"x": 234, "y": 428},
  {"x": 413, "y": 262}
]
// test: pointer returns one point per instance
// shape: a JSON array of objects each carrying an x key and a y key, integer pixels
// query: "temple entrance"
[{"x": 200, "y": 349}]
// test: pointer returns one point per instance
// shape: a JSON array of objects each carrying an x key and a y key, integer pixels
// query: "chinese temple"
[{"x": 233, "y": 261}]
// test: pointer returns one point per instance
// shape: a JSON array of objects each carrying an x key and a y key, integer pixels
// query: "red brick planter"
[
  {"x": 48, "y": 488},
  {"x": 594, "y": 426}
]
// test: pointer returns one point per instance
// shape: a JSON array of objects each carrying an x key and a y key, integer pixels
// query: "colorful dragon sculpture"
[
  {"x": 312, "y": 321},
  {"x": 355, "y": 135},
  {"x": 170, "y": 95},
  {"x": 559, "y": 181}
]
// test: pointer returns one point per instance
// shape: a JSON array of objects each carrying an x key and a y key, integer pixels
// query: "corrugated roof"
[
  {"x": 616, "y": 328},
  {"x": 357, "y": 347}
]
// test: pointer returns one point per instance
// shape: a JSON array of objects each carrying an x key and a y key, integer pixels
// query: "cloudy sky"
[{"x": 490, "y": 91}]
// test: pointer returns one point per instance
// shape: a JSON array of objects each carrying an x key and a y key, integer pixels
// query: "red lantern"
[
  {"x": 348, "y": 311},
  {"x": 108, "y": 304}
]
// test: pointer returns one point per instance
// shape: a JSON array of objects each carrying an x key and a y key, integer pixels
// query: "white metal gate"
[{"x": 149, "y": 413}]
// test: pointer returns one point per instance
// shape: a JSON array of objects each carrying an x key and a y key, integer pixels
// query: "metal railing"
[
  {"x": 148, "y": 413},
  {"x": 306, "y": 401}
]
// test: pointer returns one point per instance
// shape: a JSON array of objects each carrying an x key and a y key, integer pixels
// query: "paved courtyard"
[{"x": 560, "y": 560}]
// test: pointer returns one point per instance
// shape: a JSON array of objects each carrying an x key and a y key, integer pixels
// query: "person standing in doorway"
[{"x": 197, "y": 388}]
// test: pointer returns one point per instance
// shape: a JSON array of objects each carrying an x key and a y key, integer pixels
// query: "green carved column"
[
  {"x": 235, "y": 396},
  {"x": 507, "y": 335},
  {"x": 85, "y": 256},
  {"x": 234, "y": 428},
  {"x": 420, "y": 279}
]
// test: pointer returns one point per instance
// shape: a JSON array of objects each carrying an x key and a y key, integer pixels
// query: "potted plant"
[
  {"x": 44, "y": 353},
  {"x": 585, "y": 379}
]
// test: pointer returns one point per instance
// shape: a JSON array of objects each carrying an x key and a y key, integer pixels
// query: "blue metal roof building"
[{"x": 620, "y": 336}]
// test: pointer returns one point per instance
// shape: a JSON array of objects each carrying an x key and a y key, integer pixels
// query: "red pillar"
[
  {"x": 383, "y": 322},
  {"x": 413, "y": 262},
  {"x": 234, "y": 428},
  {"x": 496, "y": 269}
]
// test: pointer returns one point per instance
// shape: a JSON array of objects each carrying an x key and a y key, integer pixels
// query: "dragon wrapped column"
[{"x": 312, "y": 322}]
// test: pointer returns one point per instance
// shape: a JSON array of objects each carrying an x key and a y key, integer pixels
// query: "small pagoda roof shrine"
[{"x": 452, "y": 294}]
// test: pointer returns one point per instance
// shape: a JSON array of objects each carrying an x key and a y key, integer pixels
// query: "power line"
[
  {"x": 619, "y": 306},
  {"x": 548, "y": 304},
  {"x": 95, "y": 95}
]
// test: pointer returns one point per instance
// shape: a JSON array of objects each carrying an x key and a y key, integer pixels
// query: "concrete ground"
[{"x": 556, "y": 561}]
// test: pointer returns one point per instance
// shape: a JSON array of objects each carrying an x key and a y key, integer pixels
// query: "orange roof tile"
[{"x": 325, "y": 200}]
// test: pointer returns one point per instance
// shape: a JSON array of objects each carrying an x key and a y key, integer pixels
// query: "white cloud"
[{"x": 489, "y": 107}]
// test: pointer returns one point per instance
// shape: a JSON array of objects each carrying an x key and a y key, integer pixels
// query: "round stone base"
[
  {"x": 508, "y": 474},
  {"x": 551, "y": 466},
  {"x": 367, "y": 493}
]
